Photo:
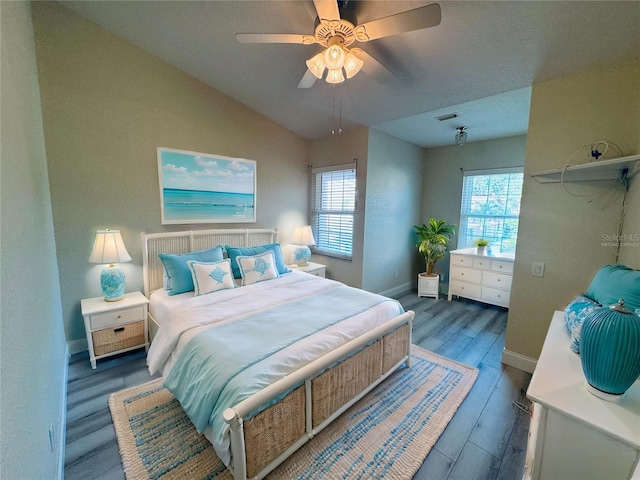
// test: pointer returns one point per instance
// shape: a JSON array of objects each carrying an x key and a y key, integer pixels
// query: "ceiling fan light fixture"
[
  {"x": 335, "y": 76},
  {"x": 461, "y": 136},
  {"x": 334, "y": 57},
  {"x": 316, "y": 65},
  {"x": 352, "y": 63}
]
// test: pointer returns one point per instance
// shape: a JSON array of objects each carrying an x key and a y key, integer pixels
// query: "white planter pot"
[{"x": 428, "y": 286}]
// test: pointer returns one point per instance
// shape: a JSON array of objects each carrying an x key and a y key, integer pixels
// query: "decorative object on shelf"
[
  {"x": 461, "y": 136},
  {"x": 108, "y": 247},
  {"x": 302, "y": 237},
  {"x": 610, "y": 351},
  {"x": 433, "y": 240},
  {"x": 481, "y": 245}
]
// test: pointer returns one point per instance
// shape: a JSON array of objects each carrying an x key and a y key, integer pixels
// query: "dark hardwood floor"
[{"x": 485, "y": 440}]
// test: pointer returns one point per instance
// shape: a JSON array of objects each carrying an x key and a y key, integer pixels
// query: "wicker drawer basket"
[{"x": 118, "y": 338}]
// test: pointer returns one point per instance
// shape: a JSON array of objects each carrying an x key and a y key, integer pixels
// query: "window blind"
[
  {"x": 490, "y": 208},
  {"x": 332, "y": 209}
]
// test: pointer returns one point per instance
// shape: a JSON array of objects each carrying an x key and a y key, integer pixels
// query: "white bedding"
[{"x": 190, "y": 315}]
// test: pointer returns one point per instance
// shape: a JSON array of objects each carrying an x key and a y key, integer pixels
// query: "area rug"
[{"x": 387, "y": 434}]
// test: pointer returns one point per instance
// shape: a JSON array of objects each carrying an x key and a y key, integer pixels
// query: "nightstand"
[
  {"x": 316, "y": 269},
  {"x": 115, "y": 327}
]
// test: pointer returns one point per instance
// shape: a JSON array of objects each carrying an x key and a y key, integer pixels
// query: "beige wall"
[
  {"x": 394, "y": 186},
  {"x": 561, "y": 230},
  {"x": 630, "y": 248},
  {"x": 442, "y": 182},
  {"x": 33, "y": 348},
  {"x": 339, "y": 150},
  {"x": 107, "y": 105}
]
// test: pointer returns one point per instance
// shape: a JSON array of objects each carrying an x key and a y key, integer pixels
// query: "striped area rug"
[{"x": 387, "y": 434}]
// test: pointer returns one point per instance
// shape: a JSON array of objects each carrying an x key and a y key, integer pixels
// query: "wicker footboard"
[{"x": 272, "y": 435}]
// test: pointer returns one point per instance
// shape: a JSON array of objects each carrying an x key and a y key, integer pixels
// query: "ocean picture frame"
[{"x": 205, "y": 188}]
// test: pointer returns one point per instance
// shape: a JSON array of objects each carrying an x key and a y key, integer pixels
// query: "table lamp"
[
  {"x": 302, "y": 237},
  {"x": 109, "y": 248}
]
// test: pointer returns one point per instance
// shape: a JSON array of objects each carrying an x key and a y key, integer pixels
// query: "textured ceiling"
[{"x": 480, "y": 62}]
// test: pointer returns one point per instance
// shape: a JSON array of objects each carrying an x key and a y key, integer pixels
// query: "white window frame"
[
  {"x": 337, "y": 241},
  {"x": 498, "y": 241}
]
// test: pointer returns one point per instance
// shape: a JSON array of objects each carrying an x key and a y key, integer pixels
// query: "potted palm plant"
[{"x": 433, "y": 240}]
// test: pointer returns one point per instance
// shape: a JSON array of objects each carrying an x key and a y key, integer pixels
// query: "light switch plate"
[{"x": 537, "y": 269}]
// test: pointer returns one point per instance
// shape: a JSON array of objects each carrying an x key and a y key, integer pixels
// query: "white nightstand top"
[
  {"x": 307, "y": 268},
  {"x": 99, "y": 304}
]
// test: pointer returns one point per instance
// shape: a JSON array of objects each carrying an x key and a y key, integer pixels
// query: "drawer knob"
[
  {"x": 499, "y": 280},
  {"x": 116, "y": 330}
]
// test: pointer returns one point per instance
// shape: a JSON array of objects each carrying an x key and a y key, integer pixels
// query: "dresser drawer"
[
  {"x": 496, "y": 296},
  {"x": 498, "y": 280},
  {"x": 483, "y": 263},
  {"x": 118, "y": 338},
  {"x": 466, "y": 275},
  {"x": 501, "y": 266},
  {"x": 461, "y": 260},
  {"x": 120, "y": 317},
  {"x": 465, "y": 289}
]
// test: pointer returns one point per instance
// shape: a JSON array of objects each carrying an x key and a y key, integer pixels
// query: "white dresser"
[
  {"x": 573, "y": 434},
  {"x": 485, "y": 277}
]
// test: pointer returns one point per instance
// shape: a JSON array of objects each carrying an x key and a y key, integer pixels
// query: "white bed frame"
[{"x": 187, "y": 241}]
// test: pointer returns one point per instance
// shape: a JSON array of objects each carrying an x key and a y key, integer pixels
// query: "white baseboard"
[
  {"x": 397, "y": 290},
  {"x": 518, "y": 361}
]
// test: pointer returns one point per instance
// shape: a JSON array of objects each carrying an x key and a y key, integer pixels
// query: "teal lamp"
[{"x": 109, "y": 248}]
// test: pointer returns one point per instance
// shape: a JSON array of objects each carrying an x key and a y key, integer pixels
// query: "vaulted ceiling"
[{"x": 479, "y": 62}]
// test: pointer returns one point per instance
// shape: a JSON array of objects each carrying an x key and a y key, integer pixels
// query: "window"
[
  {"x": 333, "y": 205},
  {"x": 490, "y": 208}
]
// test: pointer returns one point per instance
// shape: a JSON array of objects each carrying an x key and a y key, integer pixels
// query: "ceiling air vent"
[{"x": 447, "y": 116}]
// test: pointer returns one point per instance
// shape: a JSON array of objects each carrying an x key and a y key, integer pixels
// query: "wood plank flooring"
[{"x": 485, "y": 440}]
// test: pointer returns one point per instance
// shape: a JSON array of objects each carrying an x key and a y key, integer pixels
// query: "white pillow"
[
  {"x": 210, "y": 277},
  {"x": 257, "y": 268}
]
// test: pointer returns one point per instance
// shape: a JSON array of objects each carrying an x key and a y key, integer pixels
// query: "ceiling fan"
[{"x": 337, "y": 29}]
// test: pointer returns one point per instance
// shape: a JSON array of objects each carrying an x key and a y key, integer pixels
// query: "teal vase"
[{"x": 610, "y": 350}]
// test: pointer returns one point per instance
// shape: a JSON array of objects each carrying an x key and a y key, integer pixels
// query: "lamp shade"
[
  {"x": 303, "y": 236},
  {"x": 108, "y": 248}
]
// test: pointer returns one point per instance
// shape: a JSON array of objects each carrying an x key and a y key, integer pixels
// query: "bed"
[{"x": 287, "y": 389}]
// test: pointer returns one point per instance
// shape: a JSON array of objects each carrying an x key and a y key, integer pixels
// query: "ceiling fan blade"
[
  {"x": 275, "y": 38},
  {"x": 416, "y": 19},
  {"x": 375, "y": 69},
  {"x": 327, "y": 9},
  {"x": 308, "y": 79}
]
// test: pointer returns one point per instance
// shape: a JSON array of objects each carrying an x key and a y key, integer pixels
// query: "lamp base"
[
  {"x": 301, "y": 255},
  {"x": 112, "y": 281},
  {"x": 609, "y": 397}
]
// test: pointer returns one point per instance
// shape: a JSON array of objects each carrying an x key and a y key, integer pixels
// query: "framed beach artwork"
[{"x": 205, "y": 188}]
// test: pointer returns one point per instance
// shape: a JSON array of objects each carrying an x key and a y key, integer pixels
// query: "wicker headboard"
[{"x": 189, "y": 241}]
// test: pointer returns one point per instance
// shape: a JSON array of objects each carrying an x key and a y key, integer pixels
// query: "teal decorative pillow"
[
  {"x": 574, "y": 315},
  {"x": 178, "y": 272},
  {"x": 613, "y": 282},
  {"x": 210, "y": 277},
  {"x": 257, "y": 268},
  {"x": 235, "y": 252}
]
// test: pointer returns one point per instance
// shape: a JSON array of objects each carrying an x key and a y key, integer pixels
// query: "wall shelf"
[{"x": 594, "y": 171}]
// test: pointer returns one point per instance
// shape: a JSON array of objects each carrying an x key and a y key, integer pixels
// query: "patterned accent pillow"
[
  {"x": 235, "y": 252},
  {"x": 209, "y": 277},
  {"x": 257, "y": 268},
  {"x": 177, "y": 270},
  {"x": 574, "y": 315}
]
